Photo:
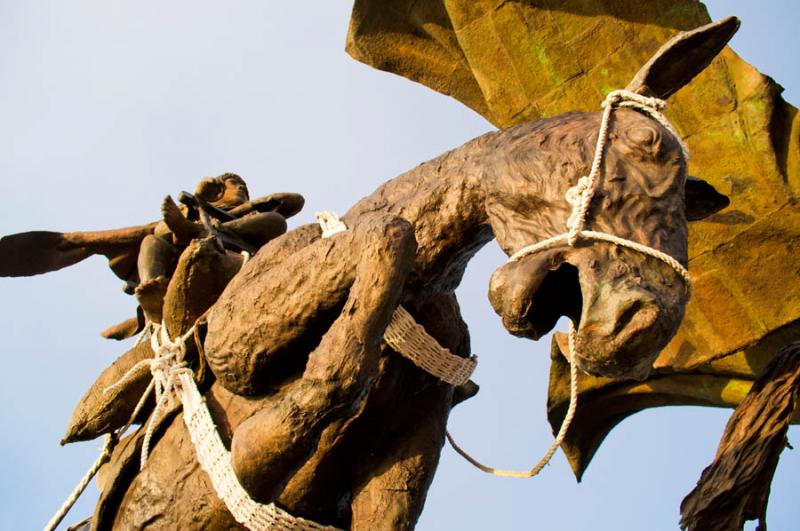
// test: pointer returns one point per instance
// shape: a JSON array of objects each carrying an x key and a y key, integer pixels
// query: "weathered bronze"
[
  {"x": 145, "y": 257},
  {"x": 519, "y": 60},
  {"x": 297, "y": 378},
  {"x": 735, "y": 487}
]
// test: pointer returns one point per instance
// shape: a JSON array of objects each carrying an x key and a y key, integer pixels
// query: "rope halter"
[{"x": 580, "y": 197}]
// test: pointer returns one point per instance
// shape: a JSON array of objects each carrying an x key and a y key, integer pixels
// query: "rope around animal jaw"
[{"x": 580, "y": 197}]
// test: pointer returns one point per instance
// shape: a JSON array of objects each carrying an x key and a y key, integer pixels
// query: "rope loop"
[
  {"x": 618, "y": 96},
  {"x": 580, "y": 197}
]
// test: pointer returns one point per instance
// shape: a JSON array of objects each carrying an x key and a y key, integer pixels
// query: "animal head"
[{"x": 626, "y": 305}]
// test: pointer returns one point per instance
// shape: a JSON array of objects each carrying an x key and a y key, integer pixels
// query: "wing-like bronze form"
[
  {"x": 33, "y": 253},
  {"x": 603, "y": 403}
]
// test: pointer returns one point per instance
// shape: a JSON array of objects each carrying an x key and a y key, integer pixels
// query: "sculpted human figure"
[
  {"x": 320, "y": 415},
  {"x": 145, "y": 256},
  {"x": 250, "y": 225}
]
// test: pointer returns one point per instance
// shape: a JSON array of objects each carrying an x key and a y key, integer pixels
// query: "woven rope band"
[
  {"x": 410, "y": 340},
  {"x": 212, "y": 455},
  {"x": 407, "y": 337}
]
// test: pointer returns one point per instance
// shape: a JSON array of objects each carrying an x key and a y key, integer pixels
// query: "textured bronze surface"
[
  {"x": 323, "y": 418},
  {"x": 513, "y": 61},
  {"x": 735, "y": 487}
]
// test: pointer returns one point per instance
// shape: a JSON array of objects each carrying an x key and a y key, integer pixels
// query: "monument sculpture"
[
  {"x": 287, "y": 348},
  {"x": 523, "y": 60}
]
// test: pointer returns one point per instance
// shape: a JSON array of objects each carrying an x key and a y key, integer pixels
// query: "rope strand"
[
  {"x": 562, "y": 431},
  {"x": 105, "y": 455},
  {"x": 580, "y": 197}
]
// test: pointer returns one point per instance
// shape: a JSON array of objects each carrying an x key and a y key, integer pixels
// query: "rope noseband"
[{"x": 580, "y": 197}]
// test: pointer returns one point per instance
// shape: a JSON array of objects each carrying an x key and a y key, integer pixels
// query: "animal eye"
[{"x": 644, "y": 136}]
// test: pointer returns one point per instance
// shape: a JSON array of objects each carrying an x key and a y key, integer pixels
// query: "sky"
[{"x": 108, "y": 106}]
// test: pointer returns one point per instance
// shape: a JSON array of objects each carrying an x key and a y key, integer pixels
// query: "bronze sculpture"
[
  {"x": 144, "y": 257},
  {"x": 435, "y": 218},
  {"x": 742, "y": 134}
]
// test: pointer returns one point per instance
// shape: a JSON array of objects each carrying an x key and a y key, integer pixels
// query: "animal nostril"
[{"x": 627, "y": 315}]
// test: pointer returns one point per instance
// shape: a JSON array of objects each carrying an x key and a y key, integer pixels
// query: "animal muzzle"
[
  {"x": 621, "y": 333},
  {"x": 622, "y": 323},
  {"x": 533, "y": 293}
]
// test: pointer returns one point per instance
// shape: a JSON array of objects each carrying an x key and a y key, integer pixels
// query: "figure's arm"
[
  {"x": 256, "y": 229},
  {"x": 286, "y": 204},
  {"x": 37, "y": 252}
]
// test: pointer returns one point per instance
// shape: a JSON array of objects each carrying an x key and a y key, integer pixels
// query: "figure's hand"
[{"x": 210, "y": 189}]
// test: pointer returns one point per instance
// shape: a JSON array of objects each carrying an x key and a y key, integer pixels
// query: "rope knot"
[
  {"x": 579, "y": 197},
  {"x": 574, "y": 194},
  {"x": 166, "y": 367},
  {"x": 330, "y": 224},
  {"x": 623, "y": 97}
]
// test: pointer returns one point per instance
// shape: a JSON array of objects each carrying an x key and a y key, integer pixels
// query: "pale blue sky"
[{"x": 107, "y": 106}]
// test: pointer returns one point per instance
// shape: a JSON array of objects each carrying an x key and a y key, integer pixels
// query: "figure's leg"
[
  {"x": 157, "y": 258},
  {"x": 271, "y": 445},
  {"x": 182, "y": 229},
  {"x": 156, "y": 262}
]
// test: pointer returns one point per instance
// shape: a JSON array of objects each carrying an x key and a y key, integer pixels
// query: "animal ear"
[
  {"x": 702, "y": 199},
  {"x": 683, "y": 57}
]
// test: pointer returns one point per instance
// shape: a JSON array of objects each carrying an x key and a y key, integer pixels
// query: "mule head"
[{"x": 626, "y": 305}]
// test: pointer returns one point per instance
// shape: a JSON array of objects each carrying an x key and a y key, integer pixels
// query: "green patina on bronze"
[{"x": 513, "y": 61}]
